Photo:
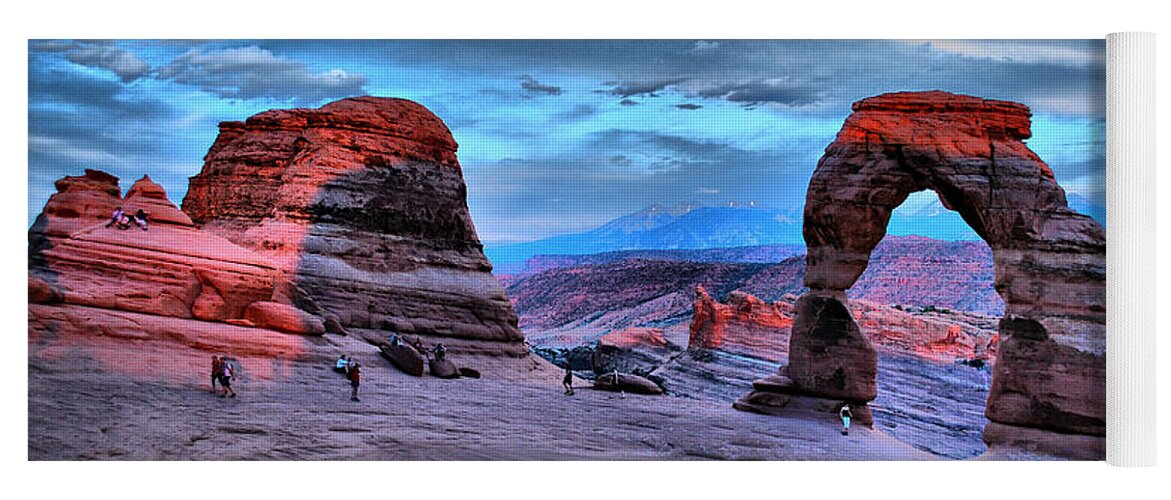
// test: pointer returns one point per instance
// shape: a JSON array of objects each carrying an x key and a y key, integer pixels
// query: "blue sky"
[{"x": 555, "y": 136}]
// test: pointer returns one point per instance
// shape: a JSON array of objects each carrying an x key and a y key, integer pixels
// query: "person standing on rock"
[
  {"x": 567, "y": 382},
  {"x": 355, "y": 380},
  {"x": 226, "y": 376},
  {"x": 216, "y": 368},
  {"x": 618, "y": 385},
  {"x": 845, "y": 414}
]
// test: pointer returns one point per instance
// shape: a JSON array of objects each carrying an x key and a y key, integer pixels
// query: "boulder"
[
  {"x": 443, "y": 368},
  {"x": 628, "y": 383},
  {"x": 405, "y": 358},
  {"x": 283, "y": 318}
]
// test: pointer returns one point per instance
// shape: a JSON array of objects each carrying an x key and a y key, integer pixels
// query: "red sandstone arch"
[{"x": 1048, "y": 388}]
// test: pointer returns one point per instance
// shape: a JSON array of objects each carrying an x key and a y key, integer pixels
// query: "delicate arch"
[{"x": 1049, "y": 260}]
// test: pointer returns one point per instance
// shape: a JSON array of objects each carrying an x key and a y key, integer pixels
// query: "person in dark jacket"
[{"x": 567, "y": 382}]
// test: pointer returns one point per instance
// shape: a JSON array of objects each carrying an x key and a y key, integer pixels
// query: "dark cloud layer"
[
  {"x": 533, "y": 86},
  {"x": 615, "y": 171},
  {"x": 252, "y": 72},
  {"x": 103, "y": 55},
  {"x": 644, "y": 88},
  {"x": 758, "y": 92}
]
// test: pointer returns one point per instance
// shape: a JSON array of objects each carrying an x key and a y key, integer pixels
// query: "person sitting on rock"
[
  {"x": 117, "y": 218},
  {"x": 140, "y": 219},
  {"x": 845, "y": 414},
  {"x": 440, "y": 352},
  {"x": 355, "y": 377},
  {"x": 567, "y": 382},
  {"x": 342, "y": 365},
  {"x": 418, "y": 345}
]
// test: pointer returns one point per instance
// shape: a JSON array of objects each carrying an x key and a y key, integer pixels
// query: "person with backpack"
[
  {"x": 567, "y": 382},
  {"x": 355, "y": 380},
  {"x": 845, "y": 414},
  {"x": 226, "y": 376},
  {"x": 216, "y": 368},
  {"x": 440, "y": 352}
]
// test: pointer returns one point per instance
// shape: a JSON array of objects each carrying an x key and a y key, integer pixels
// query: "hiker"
[
  {"x": 140, "y": 219},
  {"x": 418, "y": 345},
  {"x": 226, "y": 376},
  {"x": 355, "y": 380},
  {"x": 342, "y": 365},
  {"x": 216, "y": 368},
  {"x": 618, "y": 385},
  {"x": 394, "y": 339},
  {"x": 568, "y": 380},
  {"x": 440, "y": 352},
  {"x": 117, "y": 218},
  {"x": 845, "y": 414}
]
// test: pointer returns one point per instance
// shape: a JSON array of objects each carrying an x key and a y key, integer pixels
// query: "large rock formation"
[
  {"x": 172, "y": 269},
  {"x": 743, "y": 325},
  {"x": 1049, "y": 261},
  {"x": 362, "y": 204}
]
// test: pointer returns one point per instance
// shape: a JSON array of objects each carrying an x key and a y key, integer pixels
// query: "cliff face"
[{"x": 362, "y": 204}]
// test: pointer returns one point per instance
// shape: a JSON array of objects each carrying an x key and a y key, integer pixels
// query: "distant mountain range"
[
  {"x": 660, "y": 228},
  {"x": 690, "y": 227},
  {"x": 904, "y": 270}
]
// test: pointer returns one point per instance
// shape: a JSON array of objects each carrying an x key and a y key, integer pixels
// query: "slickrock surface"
[{"x": 89, "y": 398}]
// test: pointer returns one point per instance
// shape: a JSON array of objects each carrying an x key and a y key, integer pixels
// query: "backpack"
[{"x": 226, "y": 370}]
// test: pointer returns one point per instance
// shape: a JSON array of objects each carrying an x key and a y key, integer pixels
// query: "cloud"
[
  {"x": 579, "y": 112},
  {"x": 1022, "y": 51},
  {"x": 533, "y": 86},
  {"x": 704, "y": 46},
  {"x": 688, "y": 106},
  {"x": 255, "y": 73},
  {"x": 628, "y": 102},
  {"x": 78, "y": 120},
  {"x": 102, "y": 55},
  {"x": 616, "y": 171},
  {"x": 644, "y": 88},
  {"x": 762, "y": 91},
  {"x": 122, "y": 62}
]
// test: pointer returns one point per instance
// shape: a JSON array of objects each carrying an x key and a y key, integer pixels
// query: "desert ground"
[{"x": 81, "y": 409}]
